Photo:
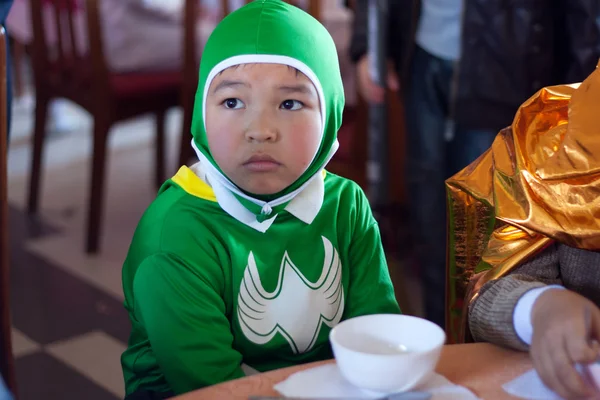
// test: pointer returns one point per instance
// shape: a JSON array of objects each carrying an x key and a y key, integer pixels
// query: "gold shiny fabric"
[{"x": 539, "y": 182}]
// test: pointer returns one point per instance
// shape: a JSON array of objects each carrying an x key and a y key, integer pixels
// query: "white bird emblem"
[{"x": 296, "y": 308}]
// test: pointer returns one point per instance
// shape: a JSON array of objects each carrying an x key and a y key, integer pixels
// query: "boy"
[
  {"x": 538, "y": 287},
  {"x": 253, "y": 254}
]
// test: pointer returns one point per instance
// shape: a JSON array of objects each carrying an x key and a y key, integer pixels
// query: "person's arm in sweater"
[
  {"x": 559, "y": 327},
  {"x": 491, "y": 313}
]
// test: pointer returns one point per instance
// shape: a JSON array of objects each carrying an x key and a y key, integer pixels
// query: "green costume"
[{"x": 216, "y": 277}]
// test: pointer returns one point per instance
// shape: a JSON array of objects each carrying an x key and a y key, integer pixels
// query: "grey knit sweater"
[{"x": 491, "y": 314}]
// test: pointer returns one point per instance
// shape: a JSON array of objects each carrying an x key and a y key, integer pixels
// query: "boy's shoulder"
[
  {"x": 346, "y": 201},
  {"x": 340, "y": 189},
  {"x": 336, "y": 184},
  {"x": 183, "y": 204}
]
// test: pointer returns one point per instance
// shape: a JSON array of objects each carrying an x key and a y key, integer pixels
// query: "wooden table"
[{"x": 481, "y": 367}]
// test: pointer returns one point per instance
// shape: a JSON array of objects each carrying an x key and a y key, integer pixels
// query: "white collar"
[{"x": 304, "y": 202}]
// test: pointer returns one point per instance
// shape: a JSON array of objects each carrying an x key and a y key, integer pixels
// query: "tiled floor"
[
  {"x": 67, "y": 335},
  {"x": 69, "y": 324},
  {"x": 70, "y": 327}
]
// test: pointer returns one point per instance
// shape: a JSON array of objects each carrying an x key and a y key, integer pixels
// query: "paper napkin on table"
[
  {"x": 530, "y": 385},
  {"x": 327, "y": 381}
]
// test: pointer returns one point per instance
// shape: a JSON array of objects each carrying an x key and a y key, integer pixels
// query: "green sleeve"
[
  {"x": 370, "y": 288},
  {"x": 183, "y": 312}
]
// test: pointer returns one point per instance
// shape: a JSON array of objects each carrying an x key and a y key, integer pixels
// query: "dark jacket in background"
[{"x": 510, "y": 50}]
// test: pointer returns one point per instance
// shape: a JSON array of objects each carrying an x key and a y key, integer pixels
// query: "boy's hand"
[
  {"x": 369, "y": 90},
  {"x": 565, "y": 329}
]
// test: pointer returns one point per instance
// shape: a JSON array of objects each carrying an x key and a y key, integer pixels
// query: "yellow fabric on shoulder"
[{"x": 192, "y": 184}]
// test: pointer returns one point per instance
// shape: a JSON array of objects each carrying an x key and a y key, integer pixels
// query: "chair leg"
[
  {"x": 18, "y": 53},
  {"x": 185, "y": 148},
  {"x": 159, "y": 148},
  {"x": 101, "y": 129},
  {"x": 39, "y": 135}
]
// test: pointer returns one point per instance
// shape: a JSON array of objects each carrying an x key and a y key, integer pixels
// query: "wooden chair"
[
  {"x": 190, "y": 79},
  {"x": 314, "y": 7},
  {"x": 86, "y": 80},
  {"x": 6, "y": 355},
  {"x": 18, "y": 52}
]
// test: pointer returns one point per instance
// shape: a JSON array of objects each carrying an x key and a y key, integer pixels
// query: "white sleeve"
[{"x": 522, "y": 314}]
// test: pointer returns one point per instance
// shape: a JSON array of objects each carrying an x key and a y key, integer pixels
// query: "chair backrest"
[
  {"x": 190, "y": 75},
  {"x": 225, "y": 9},
  {"x": 190, "y": 16},
  {"x": 67, "y": 63},
  {"x": 6, "y": 356},
  {"x": 313, "y": 7}
]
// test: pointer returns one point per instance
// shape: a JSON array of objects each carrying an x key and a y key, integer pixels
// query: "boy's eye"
[
  {"x": 233, "y": 103},
  {"x": 292, "y": 105}
]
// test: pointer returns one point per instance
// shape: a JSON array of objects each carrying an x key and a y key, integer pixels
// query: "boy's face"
[{"x": 263, "y": 124}]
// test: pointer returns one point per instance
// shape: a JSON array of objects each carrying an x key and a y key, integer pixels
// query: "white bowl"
[{"x": 387, "y": 353}]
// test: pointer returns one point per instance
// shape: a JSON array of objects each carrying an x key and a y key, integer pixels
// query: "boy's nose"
[{"x": 262, "y": 129}]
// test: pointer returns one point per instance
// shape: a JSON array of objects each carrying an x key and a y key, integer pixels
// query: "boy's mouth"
[{"x": 261, "y": 163}]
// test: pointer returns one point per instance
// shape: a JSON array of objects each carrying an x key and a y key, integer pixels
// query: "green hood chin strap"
[{"x": 272, "y": 31}]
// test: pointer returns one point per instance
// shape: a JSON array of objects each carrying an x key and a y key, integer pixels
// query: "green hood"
[{"x": 272, "y": 31}]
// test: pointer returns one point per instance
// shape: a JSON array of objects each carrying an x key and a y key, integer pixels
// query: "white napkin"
[
  {"x": 327, "y": 381},
  {"x": 530, "y": 386}
]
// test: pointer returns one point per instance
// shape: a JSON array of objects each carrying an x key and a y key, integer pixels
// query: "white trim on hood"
[
  {"x": 304, "y": 206},
  {"x": 267, "y": 59}
]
